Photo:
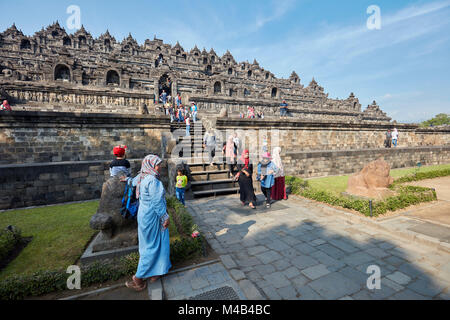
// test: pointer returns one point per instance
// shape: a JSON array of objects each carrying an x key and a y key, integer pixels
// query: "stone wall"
[
  {"x": 24, "y": 185},
  {"x": 294, "y": 135},
  {"x": 34, "y": 137},
  {"x": 308, "y": 164},
  {"x": 69, "y": 98}
]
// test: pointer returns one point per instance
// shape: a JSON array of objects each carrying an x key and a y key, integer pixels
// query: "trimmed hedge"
[
  {"x": 44, "y": 282},
  {"x": 9, "y": 238},
  {"x": 407, "y": 196},
  {"x": 423, "y": 175}
]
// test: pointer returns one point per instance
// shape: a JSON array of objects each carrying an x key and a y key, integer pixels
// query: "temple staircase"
[{"x": 205, "y": 180}]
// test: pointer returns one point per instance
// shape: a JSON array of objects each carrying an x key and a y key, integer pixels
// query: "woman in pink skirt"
[{"x": 279, "y": 188}]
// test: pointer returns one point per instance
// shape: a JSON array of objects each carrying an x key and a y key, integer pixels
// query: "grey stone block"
[
  {"x": 228, "y": 262},
  {"x": 278, "y": 245},
  {"x": 344, "y": 246},
  {"x": 277, "y": 280},
  {"x": 237, "y": 274},
  {"x": 399, "y": 278},
  {"x": 426, "y": 288},
  {"x": 269, "y": 256},
  {"x": 291, "y": 272},
  {"x": 307, "y": 293},
  {"x": 281, "y": 265},
  {"x": 331, "y": 251},
  {"x": 391, "y": 284},
  {"x": 334, "y": 286},
  {"x": 378, "y": 253},
  {"x": 271, "y": 293},
  {"x": 299, "y": 281},
  {"x": 264, "y": 269},
  {"x": 250, "y": 291},
  {"x": 199, "y": 283},
  {"x": 256, "y": 250},
  {"x": 408, "y": 295},
  {"x": 316, "y": 272},
  {"x": 288, "y": 293},
  {"x": 305, "y": 248},
  {"x": 215, "y": 278},
  {"x": 357, "y": 258},
  {"x": 302, "y": 262},
  {"x": 317, "y": 242}
]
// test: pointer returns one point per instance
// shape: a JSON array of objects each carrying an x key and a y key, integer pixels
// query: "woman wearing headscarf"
[
  {"x": 279, "y": 188},
  {"x": 244, "y": 176},
  {"x": 266, "y": 170},
  {"x": 153, "y": 222}
]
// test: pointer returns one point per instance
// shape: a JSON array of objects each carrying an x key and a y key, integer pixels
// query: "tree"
[{"x": 438, "y": 120}]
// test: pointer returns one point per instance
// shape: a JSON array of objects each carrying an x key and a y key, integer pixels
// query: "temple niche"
[{"x": 105, "y": 75}]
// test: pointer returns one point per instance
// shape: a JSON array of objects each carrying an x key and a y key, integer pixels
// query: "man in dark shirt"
[
  {"x": 283, "y": 109},
  {"x": 388, "y": 141}
]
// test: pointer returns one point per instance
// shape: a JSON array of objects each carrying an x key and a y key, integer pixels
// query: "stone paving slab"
[{"x": 309, "y": 251}]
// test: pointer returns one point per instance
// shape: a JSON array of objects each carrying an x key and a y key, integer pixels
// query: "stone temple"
[
  {"x": 74, "y": 98},
  {"x": 56, "y": 71}
]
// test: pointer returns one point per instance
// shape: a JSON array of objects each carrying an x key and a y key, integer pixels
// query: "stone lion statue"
[{"x": 372, "y": 181}]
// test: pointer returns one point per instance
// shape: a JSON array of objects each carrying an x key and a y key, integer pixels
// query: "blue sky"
[{"x": 404, "y": 66}]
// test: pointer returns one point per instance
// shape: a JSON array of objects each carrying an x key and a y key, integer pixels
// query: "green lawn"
[
  {"x": 60, "y": 234},
  {"x": 338, "y": 184}
]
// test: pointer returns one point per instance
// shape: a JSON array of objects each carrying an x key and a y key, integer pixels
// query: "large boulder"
[
  {"x": 115, "y": 231},
  {"x": 372, "y": 181}
]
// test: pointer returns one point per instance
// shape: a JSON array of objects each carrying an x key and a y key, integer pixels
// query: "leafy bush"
[
  {"x": 423, "y": 175},
  {"x": 9, "y": 237},
  {"x": 407, "y": 196}
]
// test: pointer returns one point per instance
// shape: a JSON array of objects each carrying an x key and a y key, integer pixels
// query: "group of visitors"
[
  {"x": 178, "y": 112},
  {"x": 270, "y": 174},
  {"x": 391, "y": 138},
  {"x": 152, "y": 216},
  {"x": 252, "y": 114}
]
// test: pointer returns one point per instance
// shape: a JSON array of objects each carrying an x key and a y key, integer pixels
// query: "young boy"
[
  {"x": 120, "y": 166},
  {"x": 181, "y": 185},
  {"x": 266, "y": 171}
]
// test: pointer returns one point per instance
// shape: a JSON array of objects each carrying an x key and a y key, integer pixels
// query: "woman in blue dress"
[{"x": 153, "y": 222}]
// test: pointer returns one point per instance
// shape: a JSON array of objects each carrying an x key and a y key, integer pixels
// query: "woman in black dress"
[{"x": 244, "y": 176}]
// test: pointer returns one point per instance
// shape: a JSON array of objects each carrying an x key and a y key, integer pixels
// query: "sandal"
[
  {"x": 252, "y": 206},
  {"x": 133, "y": 285}
]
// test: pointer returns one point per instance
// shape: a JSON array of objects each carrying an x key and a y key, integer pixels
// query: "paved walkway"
[{"x": 303, "y": 250}]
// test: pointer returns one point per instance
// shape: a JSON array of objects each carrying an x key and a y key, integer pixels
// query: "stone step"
[
  {"x": 210, "y": 182},
  {"x": 210, "y": 175},
  {"x": 195, "y": 167},
  {"x": 214, "y": 192}
]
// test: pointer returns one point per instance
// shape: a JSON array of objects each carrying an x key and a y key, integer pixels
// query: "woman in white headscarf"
[{"x": 279, "y": 188}]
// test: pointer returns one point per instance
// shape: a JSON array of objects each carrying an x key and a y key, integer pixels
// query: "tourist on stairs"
[
  {"x": 279, "y": 188},
  {"x": 230, "y": 154},
  {"x": 245, "y": 178},
  {"x": 266, "y": 170},
  {"x": 153, "y": 223}
]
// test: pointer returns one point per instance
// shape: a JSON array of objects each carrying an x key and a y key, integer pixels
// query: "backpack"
[{"x": 130, "y": 204}]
